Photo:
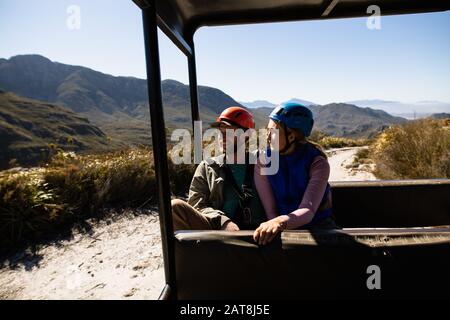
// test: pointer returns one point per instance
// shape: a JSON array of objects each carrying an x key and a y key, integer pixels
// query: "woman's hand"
[{"x": 267, "y": 231}]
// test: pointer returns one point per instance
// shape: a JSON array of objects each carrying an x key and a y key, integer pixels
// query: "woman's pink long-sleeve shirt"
[{"x": 318, "y": 179}]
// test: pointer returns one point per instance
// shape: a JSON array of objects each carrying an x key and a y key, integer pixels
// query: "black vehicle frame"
[{"x": 179, "y": 19}]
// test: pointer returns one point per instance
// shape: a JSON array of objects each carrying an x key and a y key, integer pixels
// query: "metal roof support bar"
[
  {"x": 159, "y": 144},
  {"x": 193, "y": 85}
]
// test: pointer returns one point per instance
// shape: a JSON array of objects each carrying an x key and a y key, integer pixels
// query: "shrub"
[
  {"x": 28, "y": 208},
  {"x": 328, "y": 142},
  {"x": 124, "y": 178},
  {"x": 362, "y": 156},
  {"x": 70, "y": 188},
  {"x": 316, "y": 136},
  {"x": 417, "y": 149},
  {"x": 338, "y": 142}
]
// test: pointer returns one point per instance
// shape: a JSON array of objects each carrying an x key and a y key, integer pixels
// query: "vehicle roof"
[{"x": 182, "y": 18}]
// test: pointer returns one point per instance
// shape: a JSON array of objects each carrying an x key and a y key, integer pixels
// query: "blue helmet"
[{"x": 294, "y": 115}]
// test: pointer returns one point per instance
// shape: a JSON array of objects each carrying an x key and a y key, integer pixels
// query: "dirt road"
[
  {"x": 120, "y": 258},
  {"x": 340, "y": 160}
]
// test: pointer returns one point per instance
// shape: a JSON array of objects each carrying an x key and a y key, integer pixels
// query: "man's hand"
[
  {"x": 230, "y": 226},
  {"x": 267, "y": 231}
]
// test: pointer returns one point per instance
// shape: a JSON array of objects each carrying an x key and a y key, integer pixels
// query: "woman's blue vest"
[{"x": 290, "y": 182}]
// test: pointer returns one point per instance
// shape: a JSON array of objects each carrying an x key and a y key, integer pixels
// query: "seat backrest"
[
  {"x": 309, "y": 265},
  {"x": 375, "y": 204}
]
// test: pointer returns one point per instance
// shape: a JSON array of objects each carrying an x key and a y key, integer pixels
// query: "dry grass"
[
  {"x": 362, "y": 157},
  {"x": 415, "y": 150},
  {"x": 328, "y": 142},
  {"x": 71, "y": 188}
]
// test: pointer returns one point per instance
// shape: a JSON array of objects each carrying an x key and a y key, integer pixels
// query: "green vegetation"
[
  {"x": 116, "y": 105},
  {"x": 328, "y": 142},
  {"x": 415, "y": 150},
  {"x": 31, "y": 131},
  {"x": 362, "y": 157},
  {"x": 119, "y": 105},
  {"x": 41, "y": 202}
]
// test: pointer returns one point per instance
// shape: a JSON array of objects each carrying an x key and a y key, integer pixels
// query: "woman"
[{"x": 298, "y": 195}]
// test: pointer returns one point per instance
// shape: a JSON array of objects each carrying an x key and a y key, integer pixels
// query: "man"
[{"x": 222, "y": 196}]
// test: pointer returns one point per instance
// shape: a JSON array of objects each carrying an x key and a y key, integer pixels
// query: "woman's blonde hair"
[{"x": 300, "y": 139}]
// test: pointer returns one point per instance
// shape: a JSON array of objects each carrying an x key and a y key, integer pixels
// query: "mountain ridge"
[
  {"x": 107, "y": 101},
  {"x": 119, "y": 105},
  {"x": 29, "y": 127}
]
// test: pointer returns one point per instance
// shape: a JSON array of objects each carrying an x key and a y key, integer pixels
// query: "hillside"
[
  {"x": 258, "y": 104},
  {"x": 346, "y": 120},
  {"x": 410, "y": 110},
  {"x": 268, "y": 104},
  {"x": 28, "y": 127},
  {"x": 440, "y": 116},
  {"x": 119, "y": 105}
]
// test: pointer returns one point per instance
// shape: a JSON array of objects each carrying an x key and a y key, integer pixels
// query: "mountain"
[
  {"x": 107, "y": 101},
  {"x": 118, "y": 105},
  {"x": 303, "y": 102},
  {"x": 258, "y": 104},
  {"x": 371, "y": 102},
  {"x": 412, "y": 110},
  {"x": 268, "y": 104},
  {"x": 440, "y": 116},
  {"x": 346, "y": 120},
  {"x": 28, "y": 127}
]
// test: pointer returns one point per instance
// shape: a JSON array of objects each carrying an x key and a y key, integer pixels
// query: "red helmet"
[{"x": 236, "y": 116}]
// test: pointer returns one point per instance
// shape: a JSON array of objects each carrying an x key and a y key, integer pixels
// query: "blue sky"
[{"x": 322, "y": 61}]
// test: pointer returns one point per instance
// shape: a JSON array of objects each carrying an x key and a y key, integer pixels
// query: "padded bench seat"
[{"x": 306, "y": 265}]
